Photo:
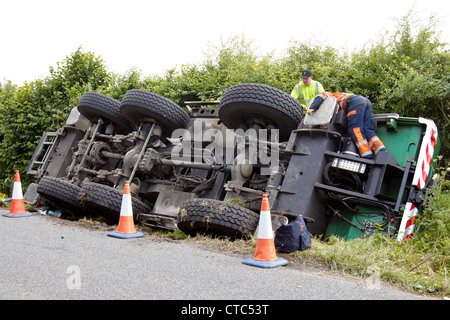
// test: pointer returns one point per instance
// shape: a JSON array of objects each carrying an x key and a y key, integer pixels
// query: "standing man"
[
  {"x": 359, "y": 115},
  {"x": 306, "y": 90}
]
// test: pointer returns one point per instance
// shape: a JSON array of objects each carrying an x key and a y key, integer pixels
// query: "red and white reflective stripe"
[
  {"x": 420, "y": 178},
  {"x": 426, "y": 154},
  {"x": 408, "y": 223}
]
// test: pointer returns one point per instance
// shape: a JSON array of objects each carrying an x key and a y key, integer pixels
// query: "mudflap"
[
  {"x": 157, "y": 221},
  {"x": 165, "y": 211}
]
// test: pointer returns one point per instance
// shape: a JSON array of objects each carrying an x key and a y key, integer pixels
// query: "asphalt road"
[{"x": 43, "y": 259}]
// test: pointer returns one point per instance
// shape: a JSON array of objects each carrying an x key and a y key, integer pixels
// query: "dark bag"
[{"x": 292, "y": 237}]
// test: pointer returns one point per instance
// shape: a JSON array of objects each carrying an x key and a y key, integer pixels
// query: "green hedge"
[{"x": 26, "y": 112}]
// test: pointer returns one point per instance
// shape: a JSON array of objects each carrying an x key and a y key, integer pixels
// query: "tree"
[{"x": 408, "y": 73}]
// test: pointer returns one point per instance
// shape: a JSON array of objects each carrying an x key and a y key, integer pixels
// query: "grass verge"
[{"x": 421, "y": 265}]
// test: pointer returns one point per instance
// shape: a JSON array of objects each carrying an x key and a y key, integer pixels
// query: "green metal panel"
[
  {"x": 343, "y": 229},
  {"x": 402, "y": 139}
]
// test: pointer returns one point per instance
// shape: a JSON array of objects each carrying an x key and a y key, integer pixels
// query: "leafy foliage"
[{"x": 28, "y": 111}]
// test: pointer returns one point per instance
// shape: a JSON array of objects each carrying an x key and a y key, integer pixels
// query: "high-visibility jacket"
[
  {"x": 304, "y": 94},
  {"x": 341, "y": 98}
]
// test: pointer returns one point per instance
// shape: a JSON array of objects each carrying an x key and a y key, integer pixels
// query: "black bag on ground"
[{"x": 292, "y": 237}]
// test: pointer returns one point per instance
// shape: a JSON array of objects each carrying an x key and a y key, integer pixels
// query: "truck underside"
[{"x": 206, "y": 171}]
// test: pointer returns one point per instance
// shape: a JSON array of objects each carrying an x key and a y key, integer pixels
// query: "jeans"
[{"x": 360, "y": 128}]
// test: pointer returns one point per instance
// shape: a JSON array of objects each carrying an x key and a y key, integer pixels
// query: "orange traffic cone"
[
  {"x": 126, "y": 229},
  {"x": 17, "y": 204},
  {"x": 265, "y": 255}
]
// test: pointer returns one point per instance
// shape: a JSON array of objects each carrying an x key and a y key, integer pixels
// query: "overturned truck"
[{"x": 205, "y": 170}]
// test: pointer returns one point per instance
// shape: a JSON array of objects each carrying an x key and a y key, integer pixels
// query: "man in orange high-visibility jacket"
[{"x": 359, "y": 115}]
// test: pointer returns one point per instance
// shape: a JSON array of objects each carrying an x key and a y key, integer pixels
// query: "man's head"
[{"x": 307, "y": 77}]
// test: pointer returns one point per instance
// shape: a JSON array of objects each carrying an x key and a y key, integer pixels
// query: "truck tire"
[
  {"x": 137, "y": 104},
  {"x": 269, "y": 105},
  {"x": 61, "y": 194},
  {"x": 217, "y": 218},
  {"x": 93, "y": 105},
  {"x": 95, "y": 196}
]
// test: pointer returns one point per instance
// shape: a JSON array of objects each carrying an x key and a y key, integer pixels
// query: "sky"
[{"x": 154, "y": 36}]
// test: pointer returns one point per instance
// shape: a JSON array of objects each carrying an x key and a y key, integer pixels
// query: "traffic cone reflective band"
[
  {"x": 125, "y": 228},
  {"x": 17, "y": 204},
  {"x": 265, "y": 255}
]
